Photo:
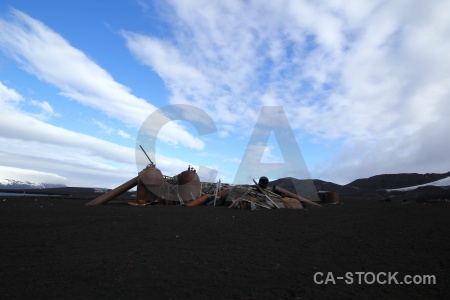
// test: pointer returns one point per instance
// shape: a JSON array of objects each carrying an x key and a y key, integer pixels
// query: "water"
[{"x": 26, "y": 195}]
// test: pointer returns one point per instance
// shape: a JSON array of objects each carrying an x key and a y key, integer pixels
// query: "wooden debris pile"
[{"x": 255, "y": 197}]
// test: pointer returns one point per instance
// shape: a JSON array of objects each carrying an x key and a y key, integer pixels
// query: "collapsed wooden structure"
[
  {"x": 153, "y": 188},
  {"x": 186, "y": 189},
  {"x": 257, "y": 197}
]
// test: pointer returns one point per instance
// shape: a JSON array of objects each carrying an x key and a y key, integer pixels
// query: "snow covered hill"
[{"x": 10, "y": 184}]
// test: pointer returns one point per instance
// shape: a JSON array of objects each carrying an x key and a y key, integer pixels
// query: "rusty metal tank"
[
  {"x": 332, "y": 197},
  {"x": 150, "y": 186},
  {"x": 151, "y": 175},
  {"x": 189, "y": 185},
  {"x": 329, "y": 197}
]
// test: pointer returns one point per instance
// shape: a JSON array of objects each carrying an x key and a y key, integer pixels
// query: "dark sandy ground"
[{"x": 61, "y": 249}]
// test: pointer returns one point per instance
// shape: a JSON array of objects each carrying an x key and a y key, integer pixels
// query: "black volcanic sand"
[{"x": 55, "y": 248}]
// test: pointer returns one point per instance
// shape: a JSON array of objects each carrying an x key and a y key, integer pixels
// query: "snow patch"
[{"x": 440, "y": 182}]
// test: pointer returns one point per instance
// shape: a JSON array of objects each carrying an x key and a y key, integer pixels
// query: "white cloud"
[
  {"x": 105, "y": 128},
  {"x": 46, "y": 110},
  {"x": 51, "y": 58},
  {"x": 30, "y": 129},
  {"x": 44, "y": 106},
  {"x": 79, "y": 159},
  {"x": 165, "y": 59},
  {"x": 369, "y": 74},
  {"x": 8, "y": 95},
  {"x": 372, "y": 75},
  {"x": 84, "y": 160},
  {"x": 31, "y": 175},
  {"x": 144, "y": 5},
  {"x": 110, "y": 130},
  {"x": 80, "y": 167},
  {"x": 269, "y": 156},
  {"x": 123, "y": 134}
]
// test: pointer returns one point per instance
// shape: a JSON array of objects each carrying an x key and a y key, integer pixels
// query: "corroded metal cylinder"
[
  {"x": 150, "y": 187},
  {"x": 332, "y": 197},
  {"x": 329, "y": 197},
  {"x": 295, "y": 196},
  {"x": 151, "y": 176},
  {"x": 189, "y": 186},
  {"x": 199, "y": 201},
  {"x": 115, "y": 192}
]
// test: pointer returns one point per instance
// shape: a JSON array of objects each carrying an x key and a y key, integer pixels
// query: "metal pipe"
[
  {"x": 287, "y": 193},
  {"x": 199, "y": 201},
  {"x": 115, "y": 192},
  {"x": 147, "y": 155}
]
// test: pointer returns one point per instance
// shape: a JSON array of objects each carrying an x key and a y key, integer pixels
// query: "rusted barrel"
[
  {"x": 332, "y": 197},
  {"x": 329, "y": 197}
]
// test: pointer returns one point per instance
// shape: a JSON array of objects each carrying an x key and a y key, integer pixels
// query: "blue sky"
[{"x": 364, "y": 85}]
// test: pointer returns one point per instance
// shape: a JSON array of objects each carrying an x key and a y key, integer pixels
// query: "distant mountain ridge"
[
  {"x": 10, "y": 184},
  {"x": 396, "y": 181},
  {"x": 403, "y": 186}
]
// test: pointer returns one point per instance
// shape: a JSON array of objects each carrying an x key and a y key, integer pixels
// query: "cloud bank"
[
  {"x": 46, "y": 54},
  {"x": 372, "y": 76}
]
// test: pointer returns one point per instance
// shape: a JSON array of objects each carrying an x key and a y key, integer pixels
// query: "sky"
[{"x": 352, "y": 88}]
